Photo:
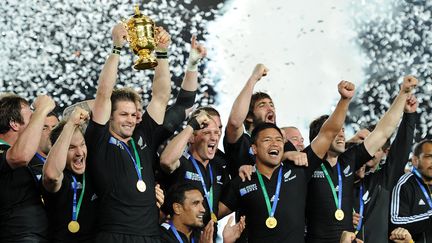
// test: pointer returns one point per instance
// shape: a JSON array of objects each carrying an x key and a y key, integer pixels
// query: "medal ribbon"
[
  {"x": 136, "y": 161},
  {"x": 3, "y": 142},
  {"x": 208, "y": 194},
  {"x": 271, "y": 210},
  {"x": 338, "y": 199},
  {"x": 426, "y": 194},
  {"x": 75, "y": 207},
  {"x": 174, "y": 230},
  {"x": 359, "y": 225},
  {"x": 40, "y": 157}
]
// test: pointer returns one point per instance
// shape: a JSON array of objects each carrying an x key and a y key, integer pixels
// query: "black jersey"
[
  {"x": 290, "y": 211},
  {"x": 377, "y": 186},
  {"x": 21, "y": 209},
  {"x": 322, "y": 225},
  {"x": 410, "y": 208},
  {"x": 122, "y": 208},
  {"x": 240, "y": 152},
  {"x": 59, "y": 208},
  {"x": 187, "y": 172},
  {"x": 168, "y": 236}
]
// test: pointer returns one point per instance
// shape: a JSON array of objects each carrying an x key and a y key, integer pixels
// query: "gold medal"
[
  {"x": 339, "y": 214},
  {"x": 271, "y": 222},
  {"x": 213, "y": 217},
  {"x": 73, "y": 226},
  {"x": 141, "y": 186}
]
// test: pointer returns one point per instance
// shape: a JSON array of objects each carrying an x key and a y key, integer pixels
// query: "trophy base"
[
  {"x": 141, "y": 65},
  {"x": 145, "y": 60}
]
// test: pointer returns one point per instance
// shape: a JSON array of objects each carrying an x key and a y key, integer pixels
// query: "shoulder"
[{"x": 406, "y": 178}]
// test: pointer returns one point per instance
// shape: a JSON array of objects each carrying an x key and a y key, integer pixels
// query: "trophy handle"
[
  {"x": 156, "y": 32},
  {"x": 124, "y": 23}
]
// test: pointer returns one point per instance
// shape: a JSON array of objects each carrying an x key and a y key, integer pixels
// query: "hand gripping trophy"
[{"x": 142, "y": 31}]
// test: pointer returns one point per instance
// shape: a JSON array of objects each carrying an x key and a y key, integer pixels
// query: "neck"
[
  {"x": 265, "y": 170},
  {"x": 181, "y": 227},
  {"x": 198, "y": 158},
  {"x": 115, "y": 135},
  {"x": 427, "y": 181},
  {"x": 332, "y": 158},
  {"x": 9, "y": 137}
]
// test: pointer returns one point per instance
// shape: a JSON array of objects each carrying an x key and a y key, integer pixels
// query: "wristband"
[
  {"x": 116, "y": 50},
  {"x": 161, "y": 55},
  {"x": 193, "y": 61},
  {"x": 193, "y": 122}
]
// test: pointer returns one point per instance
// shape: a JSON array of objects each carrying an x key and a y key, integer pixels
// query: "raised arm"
[
  {"x": 197, "y": 52},
  {"x": 332, "y": 126},
  {"x": 388, "y": 123},
  {"x": 102, "y": 105},
  {"x": 161, "y": 88},
  {"x": 186, "y": 96},
  {"x": 401, "y": 146},
  {"x": 240, "y": 107},
  {"x": 56, "y": 160},
  {"x": 27, "y": 143},
  {"x": 173, "y": 151}
]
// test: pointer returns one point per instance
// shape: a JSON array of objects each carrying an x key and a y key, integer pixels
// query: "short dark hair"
[
  {"x": 176, "y": 194},
  {"x": 52, "y": 113},
  {"x": 124, "y": 94},
  {"x": 262, "y": 126},
  {"x": 10, "y": 111},
  {"x": 315, "y": 126},
  {"x": 55, "y": 133},
  {"x": 257, "y": 96},
  {"x": 418, "y": 149}
]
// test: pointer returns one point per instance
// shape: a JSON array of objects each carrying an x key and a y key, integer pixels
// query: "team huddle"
[{"x": 114, "y": 170}]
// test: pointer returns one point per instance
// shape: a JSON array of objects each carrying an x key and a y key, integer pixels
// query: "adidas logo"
[{"x": 421, "y": 202}]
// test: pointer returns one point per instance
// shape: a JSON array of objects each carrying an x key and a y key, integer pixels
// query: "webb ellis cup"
[{"x": 141, "y": 31}]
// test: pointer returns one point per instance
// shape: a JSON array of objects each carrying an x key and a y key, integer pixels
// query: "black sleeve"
[
  {"x": 288, "y": 146},
  {"x": 4, "y": 166},
  {"x": 151, "y": 131},
  {"x": 399, "y": 151},
  {"x": 94, "y": 137},
  {"x": 238, "y": 154},
  {"x": 313, "y": 162},
  {"x": 404, "y": 200},
  {"x": 357, "y": 156},
  {"x": 231, "y": 196}
]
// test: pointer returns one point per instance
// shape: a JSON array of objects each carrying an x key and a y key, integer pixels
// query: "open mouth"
[
  {"x": 273, "y": 152},
  {"x": 211, "y": 147},
  {"x": 78, "y": 163},
  {"x": 270, "y": 117}
]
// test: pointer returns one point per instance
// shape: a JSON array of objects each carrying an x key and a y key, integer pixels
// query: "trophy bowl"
[{"x": 141, "y": 30}]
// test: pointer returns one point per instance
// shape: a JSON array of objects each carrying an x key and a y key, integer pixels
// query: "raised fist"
[
  {"x": 44, "y": 102},
  {"x": 346, "y": 89},
  {"x": 408, "y": 84},
  {"x": 411, "y": 104},
  {"x": 259, "y": 71},
  {"x": 197, "y": 52},
  {"x": 203, "y": 119},
  {"x": 119, "y": 35},
  {"x": 78, "y": 116},
  {"x": 163, "y": 39}
]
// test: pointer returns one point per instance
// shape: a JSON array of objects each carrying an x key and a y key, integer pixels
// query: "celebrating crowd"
[{"x": 112, "y": 170}]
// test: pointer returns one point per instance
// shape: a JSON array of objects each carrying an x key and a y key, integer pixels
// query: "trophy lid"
[{"x": 137, "y": 10}]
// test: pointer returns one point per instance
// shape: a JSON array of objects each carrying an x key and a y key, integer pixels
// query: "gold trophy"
[{"x": 141, "y": 30}]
